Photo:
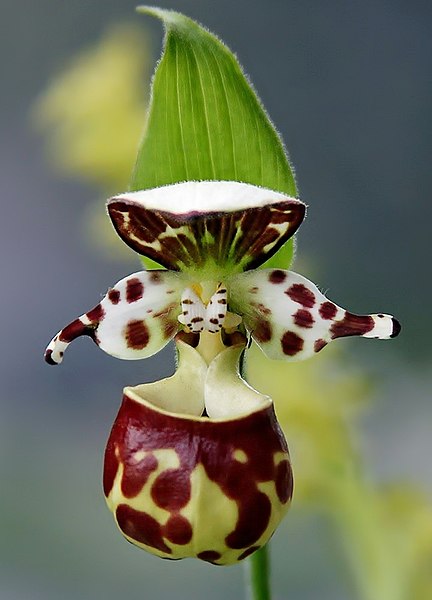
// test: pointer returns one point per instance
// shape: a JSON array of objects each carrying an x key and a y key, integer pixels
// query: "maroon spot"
[
  {"x": 134, "y": 290},
  {"x": 277, "y": 276},
  {"x": 114, "y": 296},
  {"x": 155, "y": 277},
  {"x": 319, "y": 345},
  {"x": 141, "y": 527},
  {"x": 263, "y": 331},
  {"x": 303, "y": 318},
  {"x": 48, "y": 358},
  {"x": 328, "y": 310},
  {"x": 249, "y": 530},
  {"x": 300, "y": 293},
  {"x": 284, "y": 481},
  {"x": 96, "y": 314},
  {"x": 209, "y": 555},
  {"x": 172, "y": 489},
  {"x": 136, "y": 474},
  {"x": 396, "y": 328},
  {"x": 352, "y": 325},
  {"x": 291, "y": 343},
  {"x": 110, "y": 470},
  {"x": 137, "y": 335},
  {"x": 253, "y": 290},
  {"x": 178, "y": 530},
  {"x": 248, "y": 552}
]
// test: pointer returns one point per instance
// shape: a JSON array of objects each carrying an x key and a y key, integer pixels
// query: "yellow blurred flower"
[{"x": 94, "y": 111}]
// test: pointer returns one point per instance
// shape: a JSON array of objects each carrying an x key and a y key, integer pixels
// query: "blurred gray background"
[{"x": 348, "y": 84}]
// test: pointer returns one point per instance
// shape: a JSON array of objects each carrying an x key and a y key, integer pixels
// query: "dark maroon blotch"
[
  {"x": 48, "y": 358},
  {"x": 141, "y": 527},
  {"x": 74, "y": 330},
  {"x": 136, "y": 474},
  {"x": 172, "y": 489},
  {"x": 328, "y": 310},
  {"x": 300, "y": 293},
  {"x": 114, "y": 296},
  {"x": 284, "y": 481},
  {"x": 263, "y": 331},
  {"x": 134, "y": 290},
  {"x": 291, "y": 343},
  {"x": 352, "y": 325},
  {"x": 248, "y": 552},
  {"x": 209, "y": 555},
  {"x": 396, "y": 328},
  {"x": 319, "y": 345},
  {"x": 277, "y": 276},
  {"x": 303, "y": 318},
  {"x": 96, "y": 314},
  {"x": 137, "y": 335}
]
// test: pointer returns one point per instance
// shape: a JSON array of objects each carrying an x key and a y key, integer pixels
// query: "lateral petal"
[
  {"x": 290, "y": 319},
  {"x": 135, "y": 319},
  {"x": 226, "y": 226}
]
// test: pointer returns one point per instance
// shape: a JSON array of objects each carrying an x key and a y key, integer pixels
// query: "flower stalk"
[{"x": 257, "y": 572}]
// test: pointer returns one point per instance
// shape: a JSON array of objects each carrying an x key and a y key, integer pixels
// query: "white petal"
[
  {"x": 291, "y": 319},
  {"x": 193, "y": 311},
  {"x": 226, "y": 393},
  {"x": 216, "y": 310},
  {"x": 203, "y": 197},
  {"x": 183, "y": 392},
  {"x": 135, "y": 319}
]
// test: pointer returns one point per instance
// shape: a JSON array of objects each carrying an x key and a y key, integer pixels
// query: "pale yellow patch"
[
  {"x": 240, "y": 456},
  {"x": 167, "y": 459},
  {"x": 139, "y": 456},
  {"x": 213, "y": 516}
]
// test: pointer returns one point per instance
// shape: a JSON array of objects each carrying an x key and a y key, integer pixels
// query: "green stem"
[{"x": 257, "y": 575}]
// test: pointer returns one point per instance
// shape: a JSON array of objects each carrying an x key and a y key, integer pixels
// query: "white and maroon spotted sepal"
[
  {"x": 219, "y": 226},
  {"x": 184, "y": 485},
  {"x": 135, "y": 319},
  {"x": 291, "y": 319}
]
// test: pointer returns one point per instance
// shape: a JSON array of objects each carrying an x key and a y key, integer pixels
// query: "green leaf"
[{"x": 205, "y": 120}]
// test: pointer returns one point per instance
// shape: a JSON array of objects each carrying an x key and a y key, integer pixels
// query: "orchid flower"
[
  {"x": 212, "y": 236},
  {"x": 196, "y": 464}
]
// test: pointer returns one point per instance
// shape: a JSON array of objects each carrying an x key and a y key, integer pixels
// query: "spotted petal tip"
[
  {"x": 135, "y": 319},
  {"x": 396, "y": 328},
  {"x": 187, "y": 226},
  {"x": 291, "y": 319}
]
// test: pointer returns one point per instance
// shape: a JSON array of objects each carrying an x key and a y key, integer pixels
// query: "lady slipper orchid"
[
  {"x": 180, "y": 484},
  {"x": 212, "y": 236},
  {"x": 196, "y": 464}
]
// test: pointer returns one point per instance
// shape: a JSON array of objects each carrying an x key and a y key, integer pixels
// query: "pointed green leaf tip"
[{"x": 205, "y": 120}]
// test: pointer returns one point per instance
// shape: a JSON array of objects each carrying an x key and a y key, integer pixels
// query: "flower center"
[{"x": 204, "y": 308}]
